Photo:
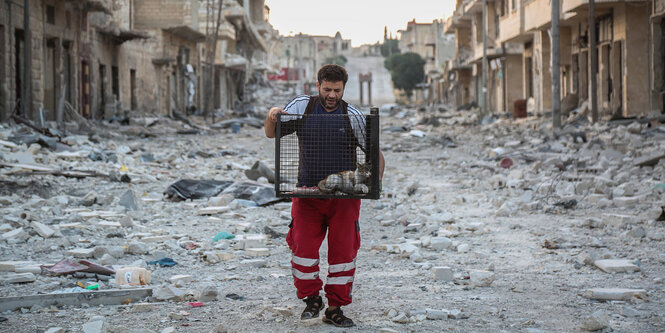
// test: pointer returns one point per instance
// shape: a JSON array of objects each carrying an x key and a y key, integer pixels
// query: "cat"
[{"x": 349, "y": 182}]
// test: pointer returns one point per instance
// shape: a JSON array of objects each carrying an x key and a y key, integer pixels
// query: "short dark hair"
[{"x": 332, "y": 73}]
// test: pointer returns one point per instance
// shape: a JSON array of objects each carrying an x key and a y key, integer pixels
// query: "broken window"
[
  {"x": 102, "y": 85},
  {"x": 67, "y": 63},
  {"x": 115, "y": 82},
  {"x": 50, "y": 14},
  {"x": 132, "y": 84}
]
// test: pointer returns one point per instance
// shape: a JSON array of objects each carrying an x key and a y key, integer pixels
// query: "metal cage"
[{"x": 327, "y": 156}]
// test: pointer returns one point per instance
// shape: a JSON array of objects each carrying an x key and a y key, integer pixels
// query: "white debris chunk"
[{"x": 616, "y": 265}]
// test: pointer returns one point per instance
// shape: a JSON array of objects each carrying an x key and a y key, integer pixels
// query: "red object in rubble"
[
  {"x": 506, "y": 162},
  {"x": 196, "y": 304}
]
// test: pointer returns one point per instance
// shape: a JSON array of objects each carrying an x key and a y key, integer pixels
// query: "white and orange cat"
[{"x": 349, "y": 182}]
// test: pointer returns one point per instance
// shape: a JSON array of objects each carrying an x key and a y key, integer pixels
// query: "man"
[{"x": 311, "y": 217}]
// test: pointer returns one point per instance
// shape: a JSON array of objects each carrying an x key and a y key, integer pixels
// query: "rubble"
[{"x": 446, "y": 210}]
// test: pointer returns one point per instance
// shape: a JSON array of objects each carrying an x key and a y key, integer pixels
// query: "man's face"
[{"x": 330, "y": 93}]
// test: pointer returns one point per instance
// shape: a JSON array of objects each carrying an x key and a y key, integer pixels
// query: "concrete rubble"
[{"x": 456, "y": 234}]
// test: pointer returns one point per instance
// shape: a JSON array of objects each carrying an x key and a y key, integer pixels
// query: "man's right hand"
[
  {"x": 271, "y": 120},
  {"x": 272, "y": 114}
]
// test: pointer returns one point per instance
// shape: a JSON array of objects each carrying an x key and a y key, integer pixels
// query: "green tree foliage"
[
  {"x": 337, "y": 60},
  {"x": 406, "y": 70},
  {"x": 389, "y": 47}
]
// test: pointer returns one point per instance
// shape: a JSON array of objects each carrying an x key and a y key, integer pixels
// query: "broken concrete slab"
[
  {"x": 10, "y": 266},
  {"x": 19, "y": 234},
  {"x": 213, "y": 210},
  {"x": 616, "y": 265},
  {"x": 649, "y": 160},
  {"x": 614, "y": 294},
  {"x": 42, "y": 229},
  {"x": 597, "y": 321},
  {"x": 481, "y": 278},
  {"x": 18, "y": 278},
  {"x": 81, "y": 253},
  {"x": 257, "y": 252},
  {"x": 442, "y": 273}
]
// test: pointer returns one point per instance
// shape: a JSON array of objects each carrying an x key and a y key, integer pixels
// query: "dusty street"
[{"x": 519, "y": 262}]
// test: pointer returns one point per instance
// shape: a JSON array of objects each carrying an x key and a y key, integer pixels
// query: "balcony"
[
  {"x": 511, "y": 26},
  {"x": 577, "y": 5},
  {"x": 537, "y": 14}
]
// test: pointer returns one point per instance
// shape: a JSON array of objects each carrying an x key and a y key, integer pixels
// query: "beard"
[{"x": 326, "y": 102}]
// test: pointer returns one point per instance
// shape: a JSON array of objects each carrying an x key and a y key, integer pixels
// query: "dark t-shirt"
[{"x": 327, "y": 146}]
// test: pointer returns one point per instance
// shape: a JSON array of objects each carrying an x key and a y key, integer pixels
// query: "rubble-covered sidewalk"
[{"x": 499, "y": 227}]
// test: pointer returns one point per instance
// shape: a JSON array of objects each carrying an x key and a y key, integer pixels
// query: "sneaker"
[
  {"x": 314, "y": 306},
  {"x": 337, "y": 318}
]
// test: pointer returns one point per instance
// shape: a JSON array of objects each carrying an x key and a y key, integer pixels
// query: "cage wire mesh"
[{"x": 327, "y": 156}]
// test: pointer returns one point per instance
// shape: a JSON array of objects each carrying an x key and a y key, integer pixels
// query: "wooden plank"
[{"x": 94, "y": 298}]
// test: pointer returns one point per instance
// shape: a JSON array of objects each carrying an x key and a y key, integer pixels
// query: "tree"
[
  {"x": 389, "y": 47},
  {"x": 337, "y": 60},
  {"x": 406, "y": 71}
]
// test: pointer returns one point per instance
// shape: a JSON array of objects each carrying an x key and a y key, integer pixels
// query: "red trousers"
[{"x": 311, "y": 219}]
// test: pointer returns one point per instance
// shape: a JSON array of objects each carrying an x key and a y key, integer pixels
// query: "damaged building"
[
  {"x": 103, "y": 58},
  {"x": 428, "y": 41},
  {"x": 519, "y": 55},
  {"x": 298, "y": 57}
]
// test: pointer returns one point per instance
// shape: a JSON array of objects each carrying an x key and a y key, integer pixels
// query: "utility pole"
[
  {"x": 556, "y": 73},
  {"x": 300, "y": 67},
  {"x": 27, "y": 62},
  {"x": 594, "y": 61},
  {"x": 484, "y": 75}
]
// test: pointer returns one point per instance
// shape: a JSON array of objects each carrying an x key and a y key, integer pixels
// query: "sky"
[{"x": 362, "y": 21}]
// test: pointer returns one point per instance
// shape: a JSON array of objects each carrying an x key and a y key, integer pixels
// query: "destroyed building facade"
[
  {"x": 299, "y": 57},
  {"x": 629, "y": 49},
  {"x": 105, "y": 58}
]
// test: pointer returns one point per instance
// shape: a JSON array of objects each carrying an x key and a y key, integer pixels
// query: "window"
[
  {"x": 132, "y": 86},
  {"x": 50, "y": 14},
  {"x": 115, "y": 82}
]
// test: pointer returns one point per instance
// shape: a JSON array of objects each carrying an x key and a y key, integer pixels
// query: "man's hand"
[
  {"x": 272, "y": 114},
  {"x": 271, "y": 119}
]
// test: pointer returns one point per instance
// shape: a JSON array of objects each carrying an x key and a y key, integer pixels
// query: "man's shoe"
[
  {"x": 337, "y": 318},
  {"x": 314, "y": 306}
]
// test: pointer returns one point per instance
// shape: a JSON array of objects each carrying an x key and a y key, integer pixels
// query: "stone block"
[
  {"x": 443, "y": 273},
  {"x": 616, "y": 265},
  {"x": 249, "y": 241},
  {"x": 34, "y": 269},
  {"x": 481, "y": 278},
  {"x": 97, "y": 326},
  {"x": 181, "y": 279},
  {"x": 19, "y": 278},
  {"x": 258, "y": 263},
  {"x": 42, "y": 229},
  {"x": 10, "y": 266},
  {"x": 55, "y": 330},
  {"x": 614, "y": 294},
  {"x": 207, "y": 293},
  {"x": 626, "y": 202},
  {"x": 257, "y": 252},
  {"x": 597, "y": 321},
  {"x": 142, "y": 307},
  {"x": 433, "y": 314},
  {"x": 440, "y": 243},
  {"x": 19, "y": 234},
  {"x": 213, "y": 210},
  {"x": 81, "y": 253}
]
